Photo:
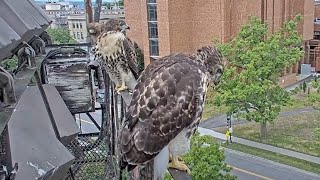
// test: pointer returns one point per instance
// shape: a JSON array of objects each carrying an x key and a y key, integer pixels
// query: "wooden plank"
[
  {"x": 72, "y": 79},
  {"x": 179, "y": 175}
]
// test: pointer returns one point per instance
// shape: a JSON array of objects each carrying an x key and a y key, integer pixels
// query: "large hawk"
[
  {"x": 116, "y": 53},
  {"x": 166, "y": 108}
]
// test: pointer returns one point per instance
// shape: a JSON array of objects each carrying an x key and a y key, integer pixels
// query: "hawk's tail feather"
[
  {"x": 124, "y": 165},
  {"x": 146, "y": 172}
]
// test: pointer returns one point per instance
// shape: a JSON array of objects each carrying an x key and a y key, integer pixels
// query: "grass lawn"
[
  {"x": 298, "y": 163},
  {"x": 294, "y": 133},
  {"x": 298, "y": 101},
  {"x": 210, "y": 110}
]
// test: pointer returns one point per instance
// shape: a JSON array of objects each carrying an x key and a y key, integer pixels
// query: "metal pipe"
[
  {"x": 97, "y": 10},
  {"x": 93, "y": 120},
  {"x": 89, "y": 17}
]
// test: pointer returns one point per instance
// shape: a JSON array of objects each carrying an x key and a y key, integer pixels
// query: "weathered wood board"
[{"x": 72, "y": 78}]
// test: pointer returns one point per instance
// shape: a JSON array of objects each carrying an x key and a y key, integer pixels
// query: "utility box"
[{"x": 305, "y": 69}]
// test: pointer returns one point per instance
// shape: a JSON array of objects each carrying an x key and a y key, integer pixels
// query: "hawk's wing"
[
  {"x": 131, "y": 57},
  {"x": 164, "y": 102}
]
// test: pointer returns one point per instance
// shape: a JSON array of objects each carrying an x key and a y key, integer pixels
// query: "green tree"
[
  {"x": 316, "y": 84},
  {"x": 121, "y": 2},
  {"x": 254, "y": 92},
  {"x": 60, "y": 35},
  {"x": 10, "y": 64},
  {"x": 304, "y": 86},
  {"x": 206, "y": 160},
  {"x": 107, "y": 4},
  {"x": 314, "y": 98},
  {"x": 140, "y": 57}
]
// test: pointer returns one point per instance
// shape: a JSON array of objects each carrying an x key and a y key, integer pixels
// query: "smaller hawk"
[
  {"x": 95, "y": 28},
  {"x": 116, "y": 53}
]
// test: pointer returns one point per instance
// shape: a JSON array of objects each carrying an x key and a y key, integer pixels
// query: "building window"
[
  {"x": 74, "y": 35},
  {"x": 154, "y": 47},
  {"x": 77, "y": 26},
  {"x": 78, "y": 35},
  {"x": 153, "y": 30},
  {"x": 80, "y": 25},
  {"x": 316, "y": 35},
  {"x": 153, "y": 27},
  {"x": 73, "y": 25},
  {"x": 152, "y": 12},
  {"x": 81, "y": 35}
]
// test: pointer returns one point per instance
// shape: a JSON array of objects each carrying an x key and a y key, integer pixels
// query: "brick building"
[
  {"x": 78, "y": 27},
  {"x": 315, "y": 43},
  {"x": 162, "y": 27}
]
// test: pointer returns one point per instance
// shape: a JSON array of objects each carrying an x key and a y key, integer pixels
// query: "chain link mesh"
[
  {"x": 90, "y": 153},
  {"x": 4, "y": 147}
]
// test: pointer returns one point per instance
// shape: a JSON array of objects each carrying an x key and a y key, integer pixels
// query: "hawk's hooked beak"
[
  {"x": 217, "y": 75},
  {"x": 92, "y": 31},
  {"x": 125, "y": 27}
]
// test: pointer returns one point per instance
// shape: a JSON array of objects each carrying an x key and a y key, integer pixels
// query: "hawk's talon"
[
  {"x": 117, "y": 86},
  {"x": 179, "y": 158},
  {"x": 121, "y": 88},
  {"x": 177, "y": 163}
]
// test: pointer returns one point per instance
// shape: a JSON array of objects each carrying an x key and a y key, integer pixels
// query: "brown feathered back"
[{"x": 168, "y": 98}]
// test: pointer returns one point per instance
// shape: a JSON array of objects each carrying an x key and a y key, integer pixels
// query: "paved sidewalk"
[{"x": 204, "y": 131}]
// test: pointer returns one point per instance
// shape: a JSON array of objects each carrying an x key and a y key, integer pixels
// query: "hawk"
[
  {"x": 166, "y": 108},
  {"x": 116, "y": 53},
  {"x": 95, "y": 28}
]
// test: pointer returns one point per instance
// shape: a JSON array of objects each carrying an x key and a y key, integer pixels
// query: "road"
[
  {"x": 245, "y": 166},
  {"x": 248, "y": 167},
  {"x": 86, "y": 125}
]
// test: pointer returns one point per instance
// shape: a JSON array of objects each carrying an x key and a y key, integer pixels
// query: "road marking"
[
  {"x": 85, "y": 121},
  {"x": 251, "y": 173}
]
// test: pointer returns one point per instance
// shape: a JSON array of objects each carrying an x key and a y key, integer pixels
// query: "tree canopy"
[
  {"x": 60, "y": 35},
  {"x": 249, "y": 86},
  {"x": 314, "y": 98},
  {"x": 206, "y": 159}
]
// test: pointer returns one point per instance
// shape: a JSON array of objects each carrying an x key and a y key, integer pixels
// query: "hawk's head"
[
  {"x": 116, "y": 25},
  {"x": 94, "y": 28},
  {"x": 110, "y": 25},
  {"x": 212, "y": 59}
]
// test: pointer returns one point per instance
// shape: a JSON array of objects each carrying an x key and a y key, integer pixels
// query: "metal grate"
[
  {"x": 4, "y": 147},
  {"x": 90, "y": 152}
]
